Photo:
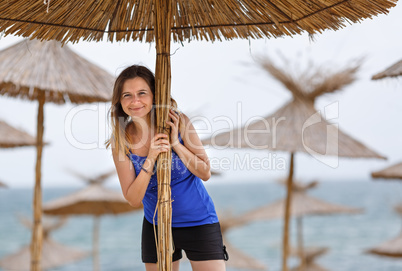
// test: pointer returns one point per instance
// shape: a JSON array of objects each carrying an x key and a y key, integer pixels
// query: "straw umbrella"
[
  {"x": 297, "y": 126},
  {"x": 393, "y": 172},
  {"x": 11, "y": 137},
  {"x": 3, "y": 185},
  {"x": 393, "y": 247},
  {"x": 238, "y": 259},
  {"x": 54, "y": 254},
  {"x": 301, "y": 205},
  {"x": 95, "y": 200},
  {"x": 310, "y": 255},
  {"x": 161, "y": 20},
  {"x": 393, "y": 71},
  {"x": 47, "y": 72}
]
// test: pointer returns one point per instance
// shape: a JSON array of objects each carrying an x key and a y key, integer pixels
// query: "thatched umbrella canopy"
[
  {"x": 215, "y": 173},
  {"x": 398, "y": 209},
  {"x": 297, "y": 126},
  {"x": 161, "y": 20},
  {"x": 393, "y": 71},
  {"x": 293, "y": 134},
  {"x": 54, "y": 254},
  {"x": 393, "y": 172},
  {"x": 301, "y": 205},
  {"x": 95, "y": 200},
  {"x": 31, "y": 69},
  {"x": 239, "y": 260},
  {"x": 309, "y": 254},
  {"x": 11, "y": 137},
  {"x": 391, "y": 248},
  {"x": 2, "y": 185},
  {"x": 47, "y": 72}
]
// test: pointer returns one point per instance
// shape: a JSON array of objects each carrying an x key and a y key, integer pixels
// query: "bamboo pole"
[
  {"x": 163, "y": 17},
  {"x": 37, "y": 231},
  {"x": 289, "y": 190}
]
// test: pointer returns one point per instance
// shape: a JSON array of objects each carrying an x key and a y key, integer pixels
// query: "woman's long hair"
[{"x": 120, "y": 121}]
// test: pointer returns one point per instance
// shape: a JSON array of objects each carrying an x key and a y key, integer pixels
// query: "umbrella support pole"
[
  {"x": 95, "y": 244},
  {"x": 300, "y": 244},
  {"x": 37, "y": 232},
  {"x": 289, "y": 189},
  {"x": 163, "y": 19}
]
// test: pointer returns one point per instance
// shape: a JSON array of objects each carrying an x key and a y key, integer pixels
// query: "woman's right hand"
[{"x": 159, "y": 144}]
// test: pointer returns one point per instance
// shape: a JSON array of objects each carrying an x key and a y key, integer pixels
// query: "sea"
[{"x": 347, "y": 236}]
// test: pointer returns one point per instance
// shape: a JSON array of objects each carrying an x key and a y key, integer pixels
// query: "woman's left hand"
[{"x": 174, "y": 125}]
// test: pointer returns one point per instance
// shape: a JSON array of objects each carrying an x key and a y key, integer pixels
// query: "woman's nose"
[{"x": 135, "y": 99}]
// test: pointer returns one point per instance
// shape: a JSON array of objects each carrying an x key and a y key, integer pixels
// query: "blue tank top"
[{"x": 191, "y": 203}]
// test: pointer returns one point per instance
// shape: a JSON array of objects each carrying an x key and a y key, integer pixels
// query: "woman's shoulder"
[{"x": 184, "y": 119}]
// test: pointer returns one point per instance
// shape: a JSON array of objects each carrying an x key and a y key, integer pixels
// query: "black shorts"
[{"x": 201, "y": 243}]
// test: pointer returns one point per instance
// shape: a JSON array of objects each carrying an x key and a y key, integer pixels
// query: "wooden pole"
[
  {"x": 289, "y": 190},
  {"x": 37, "y": 231},
  {"x": 95, "y": 244},
  {"x": 163, "y": 18},
  {"x": 300, "y": 244}
]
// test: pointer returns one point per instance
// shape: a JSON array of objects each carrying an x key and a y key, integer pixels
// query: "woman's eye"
[
  {"x": 126, "y": 95},
  {"x": 143, "y": 93}
]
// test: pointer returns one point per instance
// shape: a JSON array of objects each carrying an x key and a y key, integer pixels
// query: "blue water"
[{"x": 346, "y": 236}]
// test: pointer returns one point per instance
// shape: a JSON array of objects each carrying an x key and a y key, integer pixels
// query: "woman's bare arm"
[
  {"x": 134, "y": 187},
  {"x": 192, "y": 153}
]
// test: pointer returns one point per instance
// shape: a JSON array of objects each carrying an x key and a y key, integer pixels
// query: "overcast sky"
[{"x": 220, "y": 80}]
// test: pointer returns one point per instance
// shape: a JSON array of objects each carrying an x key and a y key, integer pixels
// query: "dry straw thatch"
[
  {"x": 93, "y": 200},
  {"x": 292, "y": 134},
  {"x": 237, "y": 258},
  {"x": 301, "y": 205},
  {"x": 54, "y": 254},
  {"x": 393, "y": 172},
  {"x": 394, "y": 71},
  {"x": 310, "y": 255},
  {"x": 398, "y": 208},
  {"x": 190, "y": 20},
  {"x": 31, "y": 66},
  {"x": 11, "y": 137},
  {"x": 391, "y": 248}
]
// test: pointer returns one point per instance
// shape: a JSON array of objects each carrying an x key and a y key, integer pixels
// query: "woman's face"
[{"x": 136, "y": 98}]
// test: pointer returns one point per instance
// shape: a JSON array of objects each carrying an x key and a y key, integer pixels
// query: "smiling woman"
[{"x": 136, "y": 147}]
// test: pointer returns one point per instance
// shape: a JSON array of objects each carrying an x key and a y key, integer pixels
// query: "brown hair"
[{"x": 120, "y": 120}]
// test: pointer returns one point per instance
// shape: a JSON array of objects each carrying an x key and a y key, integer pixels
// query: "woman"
[{"x": 135, "y": 148}]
